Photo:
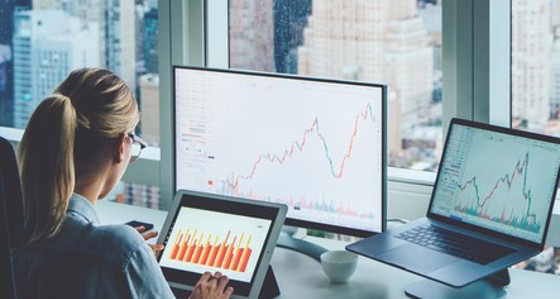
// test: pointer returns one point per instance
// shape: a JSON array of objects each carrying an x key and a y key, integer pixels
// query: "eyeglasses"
[{"x": 137, "y": 146}]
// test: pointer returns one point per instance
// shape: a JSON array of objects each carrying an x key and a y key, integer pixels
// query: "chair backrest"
[
  {"x": 7, "y": 283},
  {"x": 11, "y": 216},
  {"x": 12, "y": 192}
]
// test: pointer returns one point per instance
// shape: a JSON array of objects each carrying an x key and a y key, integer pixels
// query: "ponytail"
[
  {"x": 65, "y": 140},
  {"x": 46, "y": 157}
]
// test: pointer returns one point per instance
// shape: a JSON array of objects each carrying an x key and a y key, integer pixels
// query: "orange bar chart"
[{"x": 199, "y": 249}]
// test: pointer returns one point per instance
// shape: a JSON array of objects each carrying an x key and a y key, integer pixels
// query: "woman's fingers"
[{"x": 149, "y": 235}]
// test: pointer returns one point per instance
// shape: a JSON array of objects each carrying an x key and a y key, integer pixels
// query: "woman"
[{"x": 75, "y": 149}]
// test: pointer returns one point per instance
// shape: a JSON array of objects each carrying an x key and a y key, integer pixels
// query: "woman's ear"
[{"x": 120, "y": 149}]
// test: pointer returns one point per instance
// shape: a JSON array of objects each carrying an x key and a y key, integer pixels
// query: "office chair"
[{"x": 11, "y": 216}]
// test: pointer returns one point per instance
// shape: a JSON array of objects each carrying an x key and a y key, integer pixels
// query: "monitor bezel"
[
  {"x": 291, "y": 221},
  {"x": 503, "y": 236}
]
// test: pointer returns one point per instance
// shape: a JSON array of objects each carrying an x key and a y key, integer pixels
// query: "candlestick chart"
[
  {"x": 316, "y": 146},
  {"x": 508, "y": 201},
  {"x": 497, "y": 181}
]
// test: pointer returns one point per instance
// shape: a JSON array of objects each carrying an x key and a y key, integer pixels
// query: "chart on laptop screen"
[
  {"x": 498, "y": 181},
  {"x": 316, "y": 148}
]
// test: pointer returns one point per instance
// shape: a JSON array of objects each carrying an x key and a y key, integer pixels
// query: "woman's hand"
[
  {"x": 150, "y": 235},
  {"x": 212, "y": 287}
]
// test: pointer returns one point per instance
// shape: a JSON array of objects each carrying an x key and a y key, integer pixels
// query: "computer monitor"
[{"x": 316, "y": 145}]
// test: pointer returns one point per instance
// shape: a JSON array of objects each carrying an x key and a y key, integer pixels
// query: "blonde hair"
[{"x": 64, "y": 138}]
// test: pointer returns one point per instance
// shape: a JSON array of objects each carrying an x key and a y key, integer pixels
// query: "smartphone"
[{"x": 136, "y": 223}]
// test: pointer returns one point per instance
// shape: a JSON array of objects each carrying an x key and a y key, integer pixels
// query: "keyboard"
[{"x": 456, "y": 244}]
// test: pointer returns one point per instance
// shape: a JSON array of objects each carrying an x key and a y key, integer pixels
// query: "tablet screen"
[{"x": 207, "y": 235}]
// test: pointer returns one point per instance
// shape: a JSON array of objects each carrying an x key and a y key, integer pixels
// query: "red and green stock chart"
[
  {"x": 316, "y": 148},
  {"x": 498, "y": 181}
]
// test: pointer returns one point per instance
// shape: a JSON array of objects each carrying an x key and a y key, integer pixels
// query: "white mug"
[{"x": 339, "y": 265}]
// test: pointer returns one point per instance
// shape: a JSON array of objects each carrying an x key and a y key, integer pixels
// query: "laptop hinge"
[{"x": 500, "y": 278}]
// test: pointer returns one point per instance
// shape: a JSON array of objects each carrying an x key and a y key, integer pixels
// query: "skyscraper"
[
  {"x": 7, "y": 9},
  {"x": 409, "y": 62},
  {"x": 377, "y": 41},
  {"x": 149, "y": 113},
  {"x": 150, "y": 45},
  {"x": 555, "y": 79},
  {"x": 91, "y": 11},
  {"x": 47, "y": 4},
  {"x": 48, "y": 44},
  {"x": 290, "y": 18},
  {"x": 250, "y": 47},
  {"x": 530, "y": 73},
  {"x": 120, "y": 39}
]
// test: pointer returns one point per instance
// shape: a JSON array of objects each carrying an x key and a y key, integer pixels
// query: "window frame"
[
  {"x": 201, "y": 38},
  {"x": 468, "y": 83}
]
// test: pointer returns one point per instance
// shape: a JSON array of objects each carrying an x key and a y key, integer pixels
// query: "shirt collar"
[{"x": 81, "y": 206}]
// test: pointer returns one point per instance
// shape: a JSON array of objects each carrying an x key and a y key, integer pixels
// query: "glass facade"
[
  {"x": 44, "y": 40},
  {"x": 535, "y": 82},
  {"x": 396, "y": 42}
]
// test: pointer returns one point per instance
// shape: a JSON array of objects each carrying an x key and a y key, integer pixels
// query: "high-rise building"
[
  {"x": 530, "y": 73},
  {"x": 6, "y": 87},
  {"x": 120, "y": 39},
  {"x": 48, "y": 44},
  {"x": 135, "y": 194},
  {"x": 250, "y": 47},
  {"x": 290, "y": 18},
  {"x": 377, "y": 41},
  {"x": 555, "y": 80},
  {"x": 409, "y": 63},
  {"x": 7, "y": 9},
  {"x": 91, "y": 11},
  {"x": 149, "y": 110},
  {"x": 150, "y": 44},
  {"x": 47, "y": 4}
]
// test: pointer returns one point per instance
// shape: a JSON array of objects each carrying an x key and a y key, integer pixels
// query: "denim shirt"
[{"x": 89, "y": 260}]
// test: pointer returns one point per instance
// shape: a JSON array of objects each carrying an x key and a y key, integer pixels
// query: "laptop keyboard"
[{"x": 459, "y": 245}]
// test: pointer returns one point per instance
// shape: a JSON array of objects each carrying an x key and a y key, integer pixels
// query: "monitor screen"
[
  {"x": 316, "y": 145},
  {"x": 497, "y": 180}
]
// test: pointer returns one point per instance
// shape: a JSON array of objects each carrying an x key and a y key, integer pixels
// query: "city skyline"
[
  {"x": 42, "y": 41},
  {"x": 405, "y": 35},
  {"x": 379, "y": 41}
]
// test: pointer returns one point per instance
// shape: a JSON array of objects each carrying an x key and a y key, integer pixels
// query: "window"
[
  {"x": 136, "y": 194},
  {"x": 40, "y": 46},
  {"x": 397, "y": 42},
  {"x": 535, "y": 81},
  {"x": 535, "y": 73},
  {"x": 42, "y": 41}
]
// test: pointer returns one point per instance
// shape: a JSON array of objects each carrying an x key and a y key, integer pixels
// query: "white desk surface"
[{"x": 302, "y": 277}]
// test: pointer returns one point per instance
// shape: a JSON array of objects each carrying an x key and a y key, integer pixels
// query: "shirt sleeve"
[{"x": 144, "y": 275}]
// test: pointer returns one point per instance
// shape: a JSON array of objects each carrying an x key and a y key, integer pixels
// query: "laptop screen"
[{"x": 498, "y": 180}]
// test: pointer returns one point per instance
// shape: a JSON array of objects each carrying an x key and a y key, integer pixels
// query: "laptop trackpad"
[{"x": 417, "y": 258}]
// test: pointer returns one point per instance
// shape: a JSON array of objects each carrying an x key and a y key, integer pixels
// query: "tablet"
[{"x": 207, "y": 232}]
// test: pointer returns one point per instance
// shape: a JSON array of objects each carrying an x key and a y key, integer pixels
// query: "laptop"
[{"x": 490, "y": 207}]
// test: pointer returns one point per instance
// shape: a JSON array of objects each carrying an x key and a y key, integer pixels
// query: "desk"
[{"x": 302, "y": 277}]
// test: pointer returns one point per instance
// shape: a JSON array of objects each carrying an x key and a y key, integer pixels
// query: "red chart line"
[{"x": 300, "y": 147}]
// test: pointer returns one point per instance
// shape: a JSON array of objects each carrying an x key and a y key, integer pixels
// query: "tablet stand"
[
  {"x": 310, "y": 249},
  {"x": 491, "y": 287},
  {"x": 270, "y": 287}
]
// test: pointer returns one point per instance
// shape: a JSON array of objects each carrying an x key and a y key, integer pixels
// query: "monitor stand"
[
  {"x": 286, "y": 240},
  {"x": 270, "y": 287},
  {"x": 491, "y": 287}
]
